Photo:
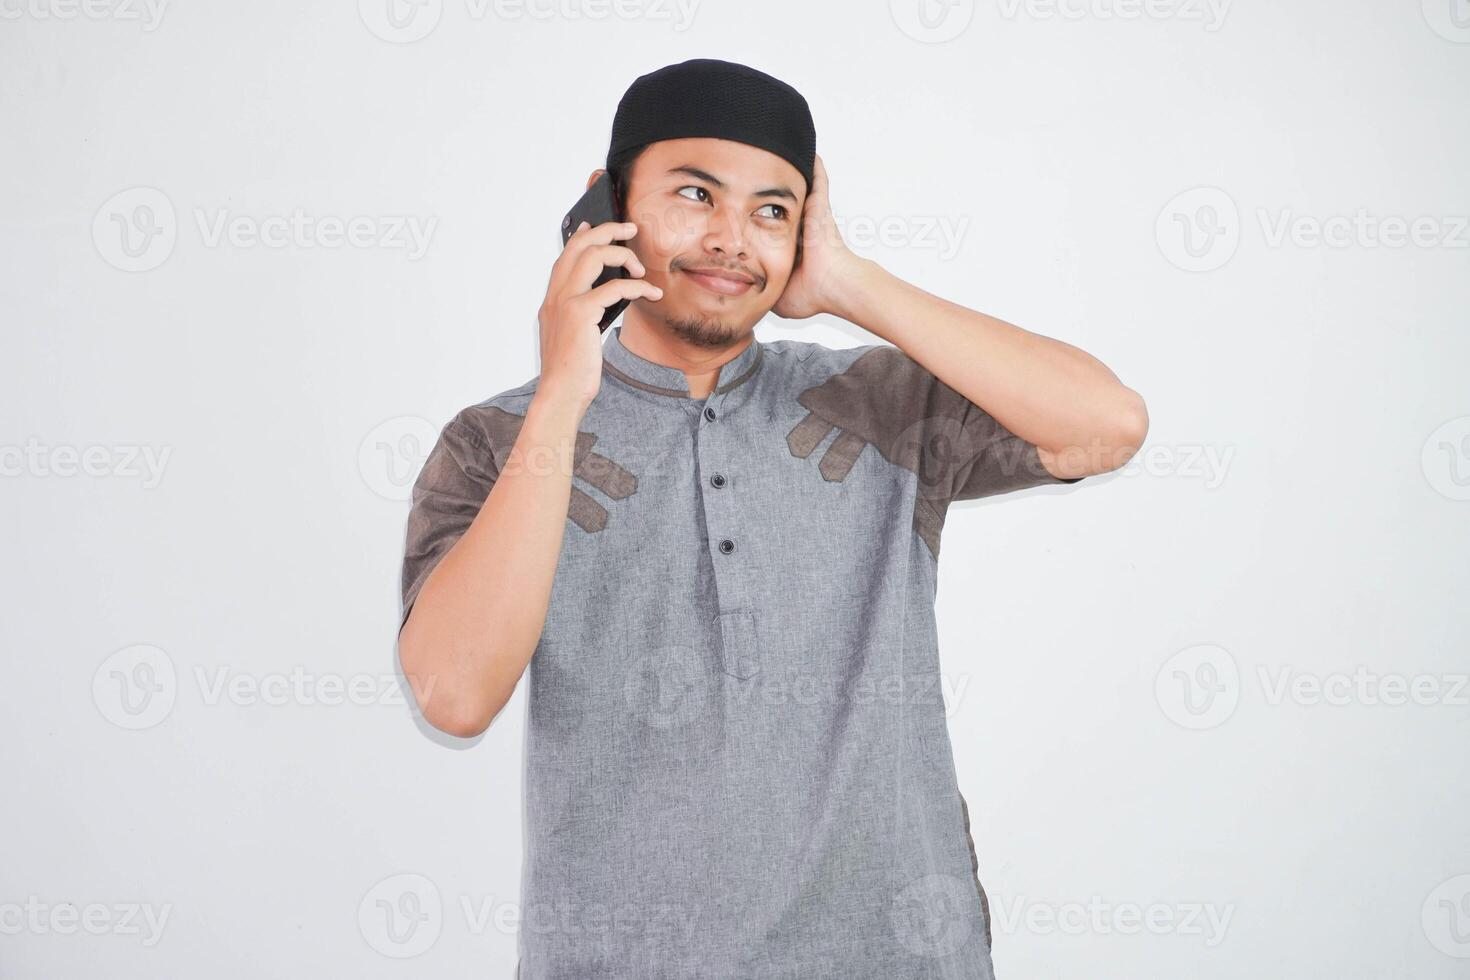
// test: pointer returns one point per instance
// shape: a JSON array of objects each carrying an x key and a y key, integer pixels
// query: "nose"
[{"x": 726, "y": 233}]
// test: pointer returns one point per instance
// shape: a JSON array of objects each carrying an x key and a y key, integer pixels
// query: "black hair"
[{"x": 620, "y": 169}]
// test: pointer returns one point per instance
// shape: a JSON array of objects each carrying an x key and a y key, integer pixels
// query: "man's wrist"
[
  {"x": 551, "y": 401},
  {"x": 548, "y": 435},
  {"x": 853, "y": 293}
]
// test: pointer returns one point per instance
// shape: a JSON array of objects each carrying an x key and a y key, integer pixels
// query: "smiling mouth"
[{"x": 717, "y": 282}]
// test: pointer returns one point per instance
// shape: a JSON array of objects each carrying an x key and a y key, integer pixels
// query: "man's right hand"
[{"x": 571, "y": 344}]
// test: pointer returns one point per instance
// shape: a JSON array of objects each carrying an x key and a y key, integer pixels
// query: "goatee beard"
[{"x": 702, "y": 331}]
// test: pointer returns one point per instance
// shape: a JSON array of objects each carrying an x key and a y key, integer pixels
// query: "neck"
[{"x": 656, "y": 342}]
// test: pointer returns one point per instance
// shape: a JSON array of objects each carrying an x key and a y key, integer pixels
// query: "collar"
[{"x": 660, "y": 379}]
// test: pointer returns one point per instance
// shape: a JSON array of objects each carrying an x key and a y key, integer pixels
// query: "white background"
[{"x": 1114, "y": 650}]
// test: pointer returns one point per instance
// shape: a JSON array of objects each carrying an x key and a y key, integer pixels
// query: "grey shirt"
[{"x": 737, "y": 757}]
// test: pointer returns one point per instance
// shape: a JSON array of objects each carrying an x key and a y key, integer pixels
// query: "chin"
[{"x": 704, "y": 330}]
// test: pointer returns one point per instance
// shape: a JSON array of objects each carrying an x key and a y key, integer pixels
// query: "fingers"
[
  {"x": 584, "y": 235},
  {"x": 615, "y": 289},
  {"x": 587, "y": 235},
  {"x": 589, "y": 249},
  {"x": 590, "y": 263},
  {"x": 603, "y": 233}
]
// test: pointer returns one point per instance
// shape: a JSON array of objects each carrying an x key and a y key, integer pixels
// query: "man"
[{"x": 718, "y": 558}]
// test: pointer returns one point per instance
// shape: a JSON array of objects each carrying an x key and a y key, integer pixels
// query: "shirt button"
[
  {"x": 718, "y": 479},
  {"x": 726, "y": 546},
  {"x": 709, "y": 413}
]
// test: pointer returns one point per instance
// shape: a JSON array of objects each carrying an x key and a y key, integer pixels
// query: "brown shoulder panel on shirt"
[
  {"x": 890, "y": 401},
  {"x": 459, "y": 472},
  {"x": 887, "y": 400}
]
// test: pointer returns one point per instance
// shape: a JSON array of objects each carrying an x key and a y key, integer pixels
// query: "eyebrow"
[{"x": 782, "y": 192}]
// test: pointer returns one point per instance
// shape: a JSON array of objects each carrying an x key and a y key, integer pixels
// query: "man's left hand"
[{"x": 828, "y": 268}]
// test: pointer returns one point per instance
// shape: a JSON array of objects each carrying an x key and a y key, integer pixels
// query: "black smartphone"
[{"x": 596, "y": 207}]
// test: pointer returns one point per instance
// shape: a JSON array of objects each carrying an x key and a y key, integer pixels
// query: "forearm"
[
  {"x": 1048, "y": 392},
  {"x": 480, "y": 613}
]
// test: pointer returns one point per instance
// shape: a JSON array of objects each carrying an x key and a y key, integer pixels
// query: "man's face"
[{"x": 708, "y": 209}]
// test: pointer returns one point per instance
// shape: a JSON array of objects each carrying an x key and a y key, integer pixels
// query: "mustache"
[{"x": 683, "y": 264}]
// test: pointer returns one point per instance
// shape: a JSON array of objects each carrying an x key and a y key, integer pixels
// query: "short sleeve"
[
  {"x": 886, "y": 399},
  {"x": 452, "y": 485},
  {"x": 991, "y": 459}
]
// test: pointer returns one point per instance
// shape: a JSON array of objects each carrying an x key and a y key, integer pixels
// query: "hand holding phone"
[
  {"x": 596, "y": 207},
  {"x": 578, "y": 296}
]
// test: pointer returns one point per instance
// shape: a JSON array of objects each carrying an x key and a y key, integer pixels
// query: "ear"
[{"x": 593, "y": 179}]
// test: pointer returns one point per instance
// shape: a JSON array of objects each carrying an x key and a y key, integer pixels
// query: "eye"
[
  {"x": 778, "y": 217},
  {"x": 693, "y": 187}
]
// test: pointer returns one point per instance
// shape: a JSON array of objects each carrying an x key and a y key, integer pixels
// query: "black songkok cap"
[{"x": 720, "y": 99}]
